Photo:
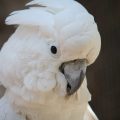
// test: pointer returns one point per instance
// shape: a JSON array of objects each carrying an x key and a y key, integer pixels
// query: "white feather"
[
  {"x": 90, "y": 115},
  {"x": 32, "y": 17},
  {"x": 37, "y": 16},
  {"x": 7, "y": 112},
  {"x": 52, "y": 3}
]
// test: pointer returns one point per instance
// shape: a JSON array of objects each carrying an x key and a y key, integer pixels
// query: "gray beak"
[{"x": 74, "y": 72}]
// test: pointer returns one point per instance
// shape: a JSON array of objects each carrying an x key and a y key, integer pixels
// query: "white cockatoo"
[{"x": 43, "y": 64}]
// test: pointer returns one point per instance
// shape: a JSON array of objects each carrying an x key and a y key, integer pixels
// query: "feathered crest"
[
  {"x": 51, "y": 16},
  {"x": 42, "y": 16},
  {"x": 54, "y": 5}
]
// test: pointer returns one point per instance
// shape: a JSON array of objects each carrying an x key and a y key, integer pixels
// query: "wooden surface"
[{"x": 103, "y": 76}]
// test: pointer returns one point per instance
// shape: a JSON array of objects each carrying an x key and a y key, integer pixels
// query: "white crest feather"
[
  {"x": 54, "y": 5},
  {"x": 30, "y": 17},
  {"x": 37, "y": 15},
  {"x": 51, "y": 3}
]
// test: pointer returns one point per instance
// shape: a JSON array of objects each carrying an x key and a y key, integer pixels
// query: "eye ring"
[{"x": 54, "y": 49}]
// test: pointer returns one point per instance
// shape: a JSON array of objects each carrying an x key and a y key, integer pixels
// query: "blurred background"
[{"x": 103, "y": 75}]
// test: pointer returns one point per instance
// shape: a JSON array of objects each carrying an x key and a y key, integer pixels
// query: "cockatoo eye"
[{"x": 54, "y": 49}]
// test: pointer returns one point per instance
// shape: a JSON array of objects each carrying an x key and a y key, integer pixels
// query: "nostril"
[{"x": 68, "y": 88}]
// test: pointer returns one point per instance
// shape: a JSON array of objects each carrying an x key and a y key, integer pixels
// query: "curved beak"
[{"x": 74, "y": 72}]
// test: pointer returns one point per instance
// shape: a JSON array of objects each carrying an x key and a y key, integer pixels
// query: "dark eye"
[{"x": 54, "y": 49}]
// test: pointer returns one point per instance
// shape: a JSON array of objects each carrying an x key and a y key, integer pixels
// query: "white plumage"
[{"x": 35, "y": 87}]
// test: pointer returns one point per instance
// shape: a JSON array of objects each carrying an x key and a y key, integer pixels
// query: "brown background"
[{"x": 103, "y": 76}]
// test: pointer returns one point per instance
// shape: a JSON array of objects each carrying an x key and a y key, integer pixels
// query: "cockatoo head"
[{"x": 50, "y": 50}]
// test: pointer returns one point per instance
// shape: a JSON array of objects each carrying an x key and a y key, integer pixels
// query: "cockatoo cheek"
[{"x": 42, "y": 81}]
